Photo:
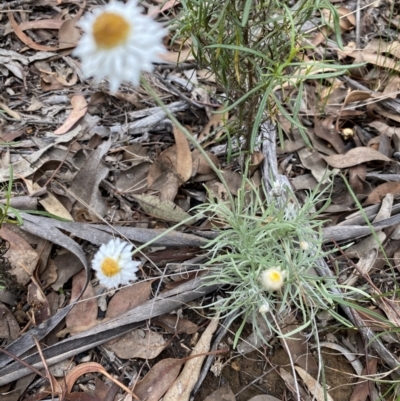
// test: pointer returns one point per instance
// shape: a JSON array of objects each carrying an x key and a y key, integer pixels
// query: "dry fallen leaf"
[
  {"x": 79, "y": 108},
  {"x": 381, "y": 191},
  {"x": 128, "y": 298},
  {"x": 22, "y": 257},
  {"x": 138, "y": 343},
  {"x": 313, "y": 386},
  {"x": 293, "y": 386},
  {"x": 84, "y": 314},
  {"x": 38, "y": 301},
  {"x": 174, "y": 324},
  {"x": 362, "y": 390},
  {"x": 183, "y": 155},
  {"x": 25, "y": 39},
  {"x": 88, "y": 367},
  {"x": 354, "y": 157},
  {"x": 153, "y": 386},
  {"x": 50, "y": 203},
  {"x": 69, "y": 34}
]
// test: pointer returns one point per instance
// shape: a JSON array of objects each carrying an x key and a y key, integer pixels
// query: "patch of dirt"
[{"x": 252, "y": 375}]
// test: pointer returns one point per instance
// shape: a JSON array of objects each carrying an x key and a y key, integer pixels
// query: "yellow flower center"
[
  {"x": 275, "y": 276},
  {"x": 110, "y": 30},
  {"x": 110, "y": 267}
]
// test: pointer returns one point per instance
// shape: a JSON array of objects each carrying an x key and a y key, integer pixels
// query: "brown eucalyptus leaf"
[
  {"x": 175, "y": 324},
  {"x": 22, "y": 257},
  {"x": 159, "y": 379},
  {"x": 183, "y": 166},
  {"x": 79, "y": 108},
  {"x": 381, "y": 191},
  {"x": 84, "y": 313},
  {"x": 140, "y": 343},
  {"x": 313, "y": 386},
  {"x": 354, "y": 157},
  {"x": 69, "y": 34},
  {"x": 128, "y": 298}
]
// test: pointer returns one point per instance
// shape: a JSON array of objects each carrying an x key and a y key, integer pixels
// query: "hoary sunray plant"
[{"x": 264, "y": 257}]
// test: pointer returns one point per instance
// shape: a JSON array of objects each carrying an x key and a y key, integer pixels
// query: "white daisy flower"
[
  {"x": 118, "y": 43},
  {"x": 272, "y": 279},
  {"x": 114, "y": 265}
]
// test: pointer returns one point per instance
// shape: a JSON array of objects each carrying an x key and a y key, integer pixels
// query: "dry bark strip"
[{"x": 341, "y": 233}]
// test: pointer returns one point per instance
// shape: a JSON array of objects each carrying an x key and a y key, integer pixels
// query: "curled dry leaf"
[
  {"x": 350, "y": 356},
  {"x": 79, "y": 108},
  {"x": 25, "y": 39},
  {"x": 89, "y": 367}
]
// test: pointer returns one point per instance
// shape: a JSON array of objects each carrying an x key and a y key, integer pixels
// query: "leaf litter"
[{"x": 112, "y": 170}]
